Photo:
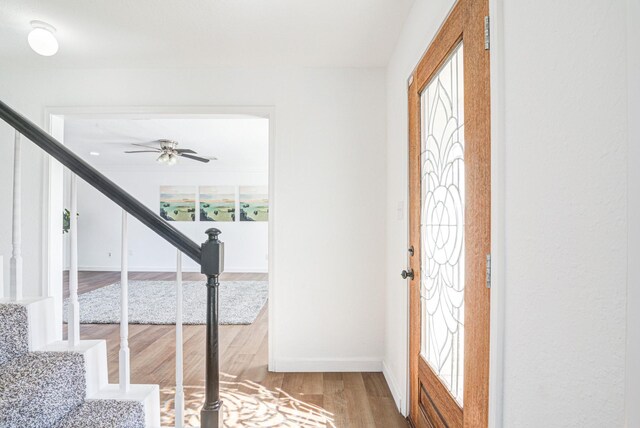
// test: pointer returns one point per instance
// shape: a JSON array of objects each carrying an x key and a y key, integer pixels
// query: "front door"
[{"x": 450, "y": 224}]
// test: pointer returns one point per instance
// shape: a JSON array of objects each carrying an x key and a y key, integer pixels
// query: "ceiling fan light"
[
  {"x": 172, "y": 160},
  {"x": 42, "y": 39},
  {"x": 163, "y": 158}
]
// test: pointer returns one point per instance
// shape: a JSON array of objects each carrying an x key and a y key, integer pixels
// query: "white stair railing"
[
  {"x": 179, "y": 399},
  {"x": 15, "y": 283},
  {"x": 73, "y": 316},
  {"x": 124, "y": 360}
]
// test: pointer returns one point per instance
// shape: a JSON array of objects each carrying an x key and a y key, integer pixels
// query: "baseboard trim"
[
  {"x": 399, "y": 399},
  {"x": 320, "y": 365},
  {"x": 166, "y": 269}
]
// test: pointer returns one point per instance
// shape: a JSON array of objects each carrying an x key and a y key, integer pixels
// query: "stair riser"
[
  {"x": 13, "y": 332},
  {"x": 40, "y": 316},
  {"x": 106, "y": 414},
  {"x": 148, "y": 395},
  {"x": 95, "y": 360}
]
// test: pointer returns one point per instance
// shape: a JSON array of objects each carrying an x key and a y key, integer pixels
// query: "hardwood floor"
[{"x": 252, "y": 396}]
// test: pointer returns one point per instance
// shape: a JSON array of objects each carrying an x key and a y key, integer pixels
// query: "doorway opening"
[{"x": 220, "y": 178}]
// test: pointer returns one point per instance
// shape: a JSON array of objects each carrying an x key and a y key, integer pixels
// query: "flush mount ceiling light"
[
  {"x": 42, "y": 39},
  {"x": 94, "y": 153}
]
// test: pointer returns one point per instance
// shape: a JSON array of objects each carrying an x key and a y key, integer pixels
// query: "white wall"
[
  {"x": 566, "y": 173},
  {"x": 329, "y": 184},
  {"x": 99, "y": 227},
  {"x": 565, "y": 139},
  {"x": 633, "y": 220}
]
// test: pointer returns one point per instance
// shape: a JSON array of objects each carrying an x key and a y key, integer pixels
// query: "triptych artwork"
[
  {"x": 217, "y": 203},
  {"x": 214, "y": 203}
]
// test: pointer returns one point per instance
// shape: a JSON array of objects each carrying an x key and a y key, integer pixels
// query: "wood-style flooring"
[{"x": 252, "y": 396}]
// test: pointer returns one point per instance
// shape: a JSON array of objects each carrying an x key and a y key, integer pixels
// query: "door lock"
[{"x": 407, "y": 274}]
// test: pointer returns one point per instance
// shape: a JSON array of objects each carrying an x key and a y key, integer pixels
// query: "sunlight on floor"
[{"x": 249, "y": 404}]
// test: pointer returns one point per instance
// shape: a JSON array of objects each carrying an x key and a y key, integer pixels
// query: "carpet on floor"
[{"x": 154, "y": 302}]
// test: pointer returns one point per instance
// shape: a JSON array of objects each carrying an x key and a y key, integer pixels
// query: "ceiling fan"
[{"x": 169, "y": 152}]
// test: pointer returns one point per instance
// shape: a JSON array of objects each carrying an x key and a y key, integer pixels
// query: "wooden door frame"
[{"x": 465, "y": 23}]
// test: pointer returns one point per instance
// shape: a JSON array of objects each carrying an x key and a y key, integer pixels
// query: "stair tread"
[
  {"x": 37, "y": 389},
  {"x": 106, "y": 414},
  {"x": 14, "y": 331}
]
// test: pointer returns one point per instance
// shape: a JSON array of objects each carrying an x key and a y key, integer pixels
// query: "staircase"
[
  {"x": 50, "y": 384},
  {"x": 46, "y": 382}
]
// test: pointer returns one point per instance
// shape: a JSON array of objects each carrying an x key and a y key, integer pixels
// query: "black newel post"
[{"x": 212, "y": 265}]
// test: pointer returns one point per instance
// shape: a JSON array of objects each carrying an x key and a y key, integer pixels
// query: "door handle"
[{"x": 407, "y": 274}]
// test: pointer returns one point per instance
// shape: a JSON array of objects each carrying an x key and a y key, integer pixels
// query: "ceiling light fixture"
[
  {"x": 94, "y": 153},
  {"x": 164, "y": 157},
  {"x": 42, "y": 39},
  {"x": 169, "y": 154}
]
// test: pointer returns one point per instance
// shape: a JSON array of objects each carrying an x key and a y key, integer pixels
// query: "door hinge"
[
  {"x": 487, "y": 34},
  {"x": 488, "y": 277}
]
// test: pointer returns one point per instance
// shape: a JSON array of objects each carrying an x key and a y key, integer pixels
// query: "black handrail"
[{"x": 94, "y": 178}]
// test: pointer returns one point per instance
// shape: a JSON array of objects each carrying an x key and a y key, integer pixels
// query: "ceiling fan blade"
[
  {"x": 146, "y": 146},
  {"x": 197, "y": 158},
  {"x": 142, "y": 151},
  {"x": 186, "y": 151}
]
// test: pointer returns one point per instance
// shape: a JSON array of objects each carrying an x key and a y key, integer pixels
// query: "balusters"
[
  {"x": 179, "y": 401},
  {"x": 124, "y": 362},
  {"x": 73, "y": 318},
  {"x": 15, "y": 283}
]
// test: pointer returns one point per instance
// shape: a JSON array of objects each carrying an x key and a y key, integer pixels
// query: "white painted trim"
[
  {"x": 158, "y": 112},
  {"x": 73, "y": 314},
  {"x": 179, "y": 395},
  {"x": 309, "y": 365},
  {"x": 398, "y": 398},
  {"x": 271, "y": 346},
  {"x": 632, "y": 375},
  {"x": 2, "y": 277},
  {"x": 124, "y": 358},
  {"x": 15, "y": 281},
  {"x": 498, "y": 167},
  {"x": 52, "y": 248}
]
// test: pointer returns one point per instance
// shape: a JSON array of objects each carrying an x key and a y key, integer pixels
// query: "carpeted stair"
[
  {"x": 48, "y": 389},
  {"x": 14, "y": 331},
  {"x": 105, "y": 414}
]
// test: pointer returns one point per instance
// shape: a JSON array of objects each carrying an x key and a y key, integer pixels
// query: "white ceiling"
[
  {"x": 239, "y": 142},
  {"x": 205, "y": 33}
]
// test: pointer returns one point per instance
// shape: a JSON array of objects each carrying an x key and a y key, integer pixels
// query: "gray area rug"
[{"x": 154, "y": 302}]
